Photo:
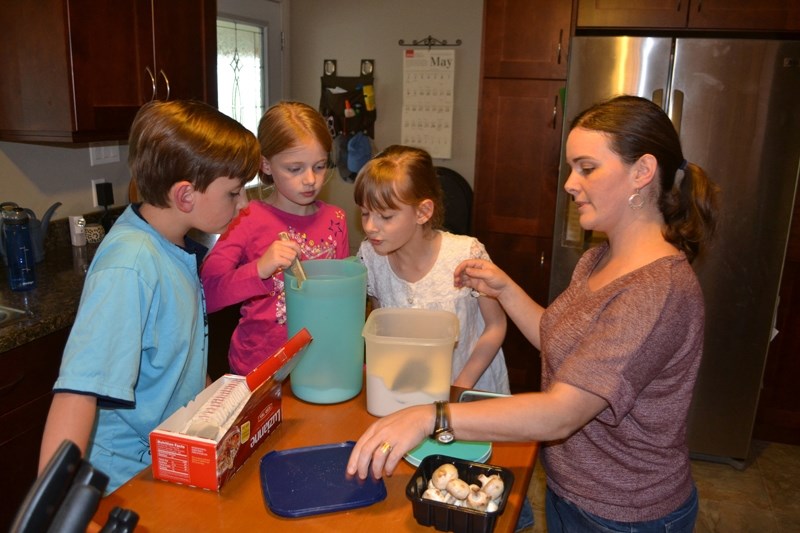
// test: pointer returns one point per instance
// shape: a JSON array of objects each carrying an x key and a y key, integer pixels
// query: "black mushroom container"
[{"x": 446, "y": 517}]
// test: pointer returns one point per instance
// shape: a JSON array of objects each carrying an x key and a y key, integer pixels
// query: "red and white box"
[{"x": 193, "y": 447}]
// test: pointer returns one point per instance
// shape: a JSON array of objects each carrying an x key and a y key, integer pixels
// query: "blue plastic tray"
[{"x": 312, "y": 480}]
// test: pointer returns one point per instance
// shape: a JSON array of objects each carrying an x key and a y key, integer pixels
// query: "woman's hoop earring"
[{"x": 636, "y": 200}]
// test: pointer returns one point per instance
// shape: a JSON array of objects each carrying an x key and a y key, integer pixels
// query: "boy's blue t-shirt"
[{"x": 139, "y": 343}]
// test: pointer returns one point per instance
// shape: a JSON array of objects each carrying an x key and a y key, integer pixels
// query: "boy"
[{"x": 138, "y": 349}]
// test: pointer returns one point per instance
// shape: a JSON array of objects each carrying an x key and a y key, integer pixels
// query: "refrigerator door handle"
[
  {"x": 677, "y": 110},
  {"x": 658, "y": 98}
]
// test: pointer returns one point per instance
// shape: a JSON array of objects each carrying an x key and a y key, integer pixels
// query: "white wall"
[
  {"x": 351, "y": 30},
  {"x": 36, "y": 176}
]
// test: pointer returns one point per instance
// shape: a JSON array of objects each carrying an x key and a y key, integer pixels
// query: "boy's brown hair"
[{"x": 185, "y": 140}]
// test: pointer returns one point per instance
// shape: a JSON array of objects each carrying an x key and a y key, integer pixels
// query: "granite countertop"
[{"x": 53, "y": 304}]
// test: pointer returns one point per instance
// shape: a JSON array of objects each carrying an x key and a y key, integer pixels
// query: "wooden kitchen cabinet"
[
  {"x": 27, "y": 374},
  {"x": 778, "y": 416},
  {"x": 763, "y": 15},
  {"x": 524, "y": 69},
  {"x": 78, "y": 70},
  {"x": 527, "y": 260},
  {"x": 537, "y": 48},
  {"x": 519, "y": 142}
]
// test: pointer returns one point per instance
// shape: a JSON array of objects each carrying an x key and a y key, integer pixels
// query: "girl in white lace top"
[{"x": 410, "y": 261}]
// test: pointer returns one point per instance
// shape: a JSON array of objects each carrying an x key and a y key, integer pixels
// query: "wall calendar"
[{"x": 428, "y": 81}]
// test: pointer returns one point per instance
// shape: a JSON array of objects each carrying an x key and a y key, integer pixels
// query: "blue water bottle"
[{"x": 19, "y": 249}]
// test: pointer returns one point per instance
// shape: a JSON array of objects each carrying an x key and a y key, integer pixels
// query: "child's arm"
[
  {"x": 488, "y": 343},
  {"x": 71, "y": 417},
  {"x": 227, "y": 280}
]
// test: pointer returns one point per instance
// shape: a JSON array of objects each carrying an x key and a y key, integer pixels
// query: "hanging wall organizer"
[{"x": 348, "y": 105}]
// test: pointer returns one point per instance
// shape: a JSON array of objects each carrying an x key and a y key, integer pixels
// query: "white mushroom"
[
  {"x": 442, "y": 476},
  {"x": 492, "y": 485},
  {"x": 435, "y": 495},
  {"x": 478, "y": 500},
  {"x": 492, "y": 507},
  {"x": 458, "y": 488}
]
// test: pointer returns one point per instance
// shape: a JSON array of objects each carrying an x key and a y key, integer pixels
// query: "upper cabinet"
[
  {"x": 526, "y": 39},
  {"x": 78, "y": 70},
  {"x": 760, "y": 15}
]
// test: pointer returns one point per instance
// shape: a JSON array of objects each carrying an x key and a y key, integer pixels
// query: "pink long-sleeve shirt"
[{"x": 230, "y": 275}]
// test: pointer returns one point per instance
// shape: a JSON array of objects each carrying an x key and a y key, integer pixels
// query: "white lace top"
[{"x": 436, "y": 291}]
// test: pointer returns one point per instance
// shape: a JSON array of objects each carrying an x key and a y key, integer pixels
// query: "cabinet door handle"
[
  {"x": 699, "y": 6},
  {"x": 152, "y": 80},
  {"x": 555, "y": 112},
  {"x": 166, "y": 80},
  {"x": 541, "y": 260},
  {"x": 678, "y": 8},
  {"x": 11, "y": 384},
  {"x": 560, "y": 39}
]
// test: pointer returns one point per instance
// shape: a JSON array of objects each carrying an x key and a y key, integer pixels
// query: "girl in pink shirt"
[{"x": 246, "y": 264}]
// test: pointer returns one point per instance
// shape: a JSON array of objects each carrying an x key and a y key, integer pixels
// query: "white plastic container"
[{"x": 409, "y": 355}]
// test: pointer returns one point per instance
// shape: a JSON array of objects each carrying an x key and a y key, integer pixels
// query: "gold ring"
[{"x": 385, "y": 448}]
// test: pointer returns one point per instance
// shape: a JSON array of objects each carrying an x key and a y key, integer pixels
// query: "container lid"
[
  {"x": 476, "y": 451},
  {"x": 312, "y": 480}
]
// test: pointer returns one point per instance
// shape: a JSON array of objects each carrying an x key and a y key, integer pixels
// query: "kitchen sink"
[{"x": 9, "y": 315}]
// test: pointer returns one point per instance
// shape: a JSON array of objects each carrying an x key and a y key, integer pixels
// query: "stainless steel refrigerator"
[{"x": 736, "y": 106}]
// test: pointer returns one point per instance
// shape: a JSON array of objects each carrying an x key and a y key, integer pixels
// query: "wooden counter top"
[{"x": 239, "y": 506}]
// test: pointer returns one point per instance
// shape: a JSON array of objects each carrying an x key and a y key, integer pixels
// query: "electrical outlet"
[{"x": 94, "y": 191}]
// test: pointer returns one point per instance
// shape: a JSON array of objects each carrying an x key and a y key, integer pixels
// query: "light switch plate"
[{"x": 103, "y": 153}]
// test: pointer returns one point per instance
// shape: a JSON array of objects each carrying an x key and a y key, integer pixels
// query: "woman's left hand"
[{"x": 387, "y": 440}]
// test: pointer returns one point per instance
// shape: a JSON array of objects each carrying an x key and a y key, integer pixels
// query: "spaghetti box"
[{"x": 206, "y": 442}]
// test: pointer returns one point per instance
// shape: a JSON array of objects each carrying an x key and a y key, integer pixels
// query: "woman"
[{"x": 620, "y": 347}]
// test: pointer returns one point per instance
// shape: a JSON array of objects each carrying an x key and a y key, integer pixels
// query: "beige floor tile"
[
  {"x": 779, "y": 465},
  {"x": 722, "y": 517},
  {"x": 723, "y": 483},
  {"x": 788, "y": 521}
]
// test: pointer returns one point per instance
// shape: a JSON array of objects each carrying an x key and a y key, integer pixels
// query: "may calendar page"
[{"x": 428, "y": 80}]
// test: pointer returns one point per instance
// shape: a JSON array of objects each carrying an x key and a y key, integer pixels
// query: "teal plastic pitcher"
[{"x": 331, "y": 304}]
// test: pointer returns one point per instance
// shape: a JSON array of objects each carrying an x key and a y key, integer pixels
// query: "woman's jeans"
[{"x": 564, "y": 516}]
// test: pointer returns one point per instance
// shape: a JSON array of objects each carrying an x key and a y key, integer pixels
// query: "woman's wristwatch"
[{"x": 442, "y": 432}]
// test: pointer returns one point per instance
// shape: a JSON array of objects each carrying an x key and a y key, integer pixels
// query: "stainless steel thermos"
[{"x": 19, "y": 249}]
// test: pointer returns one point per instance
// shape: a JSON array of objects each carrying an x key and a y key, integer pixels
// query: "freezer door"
[
  {"x": 601, "y": 67},
  {"x": 734, "y": 103}
]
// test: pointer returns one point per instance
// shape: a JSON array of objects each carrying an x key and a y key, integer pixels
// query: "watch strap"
[{"x": 442, "y": 431}]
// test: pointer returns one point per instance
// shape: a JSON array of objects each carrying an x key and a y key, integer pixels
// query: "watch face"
[{"x": 445, "y": 436}]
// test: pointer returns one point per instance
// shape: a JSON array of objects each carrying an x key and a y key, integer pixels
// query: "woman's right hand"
[
  {"x": 384, "y": 444},
  {"x": 482, "y": 276},
  {"x": 279, "y": 255}
]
